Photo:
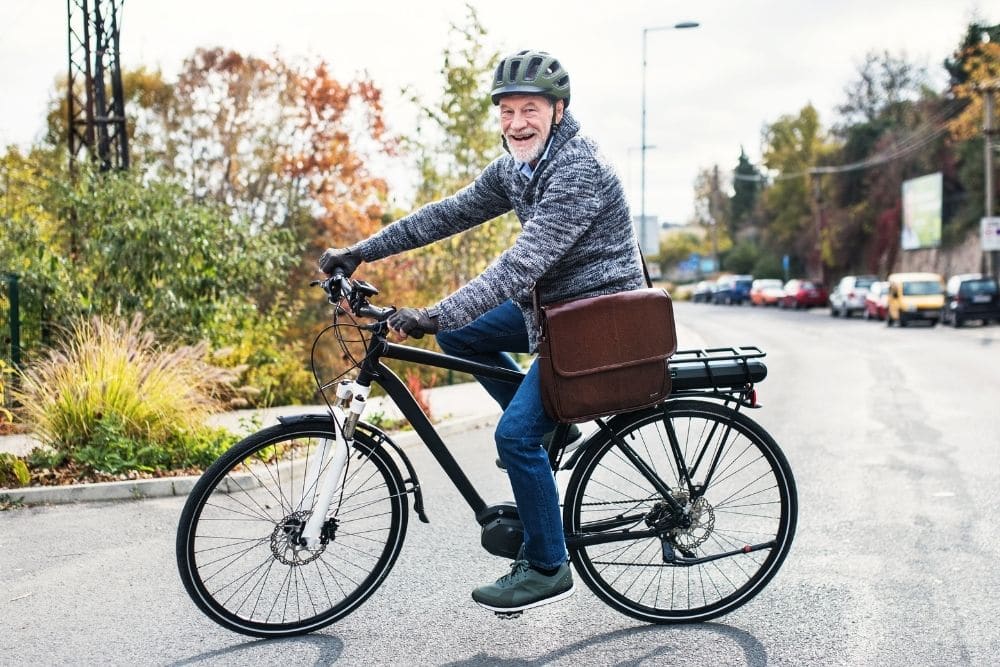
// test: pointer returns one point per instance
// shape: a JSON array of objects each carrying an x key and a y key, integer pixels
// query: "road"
[{"x": 893, "y": 435}]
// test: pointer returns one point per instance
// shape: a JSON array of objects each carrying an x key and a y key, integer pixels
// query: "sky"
[{"x": 709, "y": 90}]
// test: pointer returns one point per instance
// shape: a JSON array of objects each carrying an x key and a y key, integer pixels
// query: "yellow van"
[{"x": 915, "y": 296}]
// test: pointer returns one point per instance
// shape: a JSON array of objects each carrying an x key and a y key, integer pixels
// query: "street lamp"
[{"x": 643, "y": 146}]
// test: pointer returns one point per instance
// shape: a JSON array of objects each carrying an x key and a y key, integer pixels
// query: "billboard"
[{"x": 922, "y": 212}]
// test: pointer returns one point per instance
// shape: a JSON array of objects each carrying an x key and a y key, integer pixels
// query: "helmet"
[{"x": 531, "y": 72}]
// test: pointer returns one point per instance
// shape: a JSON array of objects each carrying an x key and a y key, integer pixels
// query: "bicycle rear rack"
[{"x": 723, "y": 371}]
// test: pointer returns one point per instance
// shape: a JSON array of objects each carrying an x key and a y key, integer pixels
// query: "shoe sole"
[{"x": 511, "y": 610}]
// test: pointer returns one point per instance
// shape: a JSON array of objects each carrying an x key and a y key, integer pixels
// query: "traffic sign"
[{"x": 990, "y": 230}]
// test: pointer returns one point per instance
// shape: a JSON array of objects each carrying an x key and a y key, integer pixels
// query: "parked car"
[
  {"x": 732, "y": 290},
  {"x": 914, "y": 297},
  {"x": 803, "y": 294},
  {"x": 970, "y": 296},
  {"x": 876, "y": 300},
  {"x": 849, "y": 295},
  {"x": 766, "y": 292},
  {"x": 703, "y": 291}
]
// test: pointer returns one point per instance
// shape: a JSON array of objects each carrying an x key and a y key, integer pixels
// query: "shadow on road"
[
  {"x": 753, "y": 650},
  {"x": 328, "y": 650}
]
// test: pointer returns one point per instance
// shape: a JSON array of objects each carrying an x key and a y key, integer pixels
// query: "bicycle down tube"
[{"x": 404, "y": 400}]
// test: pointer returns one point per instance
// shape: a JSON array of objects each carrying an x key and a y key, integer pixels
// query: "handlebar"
[{"x": 339, "y": 288}]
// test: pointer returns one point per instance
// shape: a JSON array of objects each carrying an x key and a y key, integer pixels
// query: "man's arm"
[
  {"x": 481, "y": 200},
  {"x": 569, "y": 207}
]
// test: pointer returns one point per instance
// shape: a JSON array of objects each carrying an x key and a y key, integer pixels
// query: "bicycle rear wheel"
[
  {"x": 236, "y": 548},
  {"x": 750, "y": 499}
]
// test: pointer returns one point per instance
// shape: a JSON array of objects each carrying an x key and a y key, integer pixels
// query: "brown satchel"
[{"x": 605, "y": 354}]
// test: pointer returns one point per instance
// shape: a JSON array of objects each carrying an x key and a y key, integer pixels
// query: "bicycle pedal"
[{"x": 508, "y": 615}]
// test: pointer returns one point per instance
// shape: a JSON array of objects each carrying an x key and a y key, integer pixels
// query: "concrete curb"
[{"x": 180, "y": 486}]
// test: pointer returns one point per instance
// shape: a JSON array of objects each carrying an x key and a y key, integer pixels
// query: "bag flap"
[{"x": 612, "y": 331}]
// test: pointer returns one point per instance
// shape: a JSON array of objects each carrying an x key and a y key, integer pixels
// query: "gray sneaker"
[
  {"x": 523, "y": 588},
  {"x": 574, "y": 439}
]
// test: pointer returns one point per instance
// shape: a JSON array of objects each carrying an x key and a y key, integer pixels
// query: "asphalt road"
[{"x": 893, "y": 435}]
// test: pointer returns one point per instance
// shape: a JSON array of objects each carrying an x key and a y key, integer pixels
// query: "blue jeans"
[{"x": 487, "y": 340}]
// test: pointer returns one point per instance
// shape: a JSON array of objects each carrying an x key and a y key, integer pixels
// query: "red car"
[
  {"x": 803, "y": 294},
  {"x": 876, "y": 301}
]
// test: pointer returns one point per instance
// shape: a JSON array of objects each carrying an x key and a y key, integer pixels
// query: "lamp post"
[{"x": 643, "y": 146}]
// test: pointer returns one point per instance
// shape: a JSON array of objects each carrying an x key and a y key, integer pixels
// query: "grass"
[{"x": 112, "y": 399}]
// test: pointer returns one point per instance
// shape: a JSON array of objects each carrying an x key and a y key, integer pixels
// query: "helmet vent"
[
  {"x": 562, "y": 81},
  {"x": 532, "y": 70},
  {"x": 514, "y": 66}
]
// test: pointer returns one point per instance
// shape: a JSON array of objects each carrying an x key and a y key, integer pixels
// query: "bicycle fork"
[{"x": 327, "y": 466}]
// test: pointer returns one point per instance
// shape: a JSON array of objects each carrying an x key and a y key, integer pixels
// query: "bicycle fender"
[{"x": 380, "y": 437}]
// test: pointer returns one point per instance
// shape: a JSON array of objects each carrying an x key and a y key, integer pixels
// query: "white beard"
[{"x": 528, "y": 152}]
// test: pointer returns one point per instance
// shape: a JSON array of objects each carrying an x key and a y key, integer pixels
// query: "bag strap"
[{"x": 536, "y": 301}]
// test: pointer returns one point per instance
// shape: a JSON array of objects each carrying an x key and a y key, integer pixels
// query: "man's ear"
[{"x": 560, "y": 105}]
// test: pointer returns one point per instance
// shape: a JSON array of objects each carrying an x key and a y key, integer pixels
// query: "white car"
[{"x": 848, "y": 296}]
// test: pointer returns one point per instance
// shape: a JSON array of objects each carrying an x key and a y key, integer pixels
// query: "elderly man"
[{"x": 576, "y": 241}]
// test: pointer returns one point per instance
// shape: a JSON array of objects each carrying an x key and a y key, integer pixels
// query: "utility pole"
[
  {"x": 988, "y": 89},
  {"x": 95, "y": 122}
]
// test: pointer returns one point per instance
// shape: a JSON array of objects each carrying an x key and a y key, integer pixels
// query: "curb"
[{"x": 180, "y": 486}]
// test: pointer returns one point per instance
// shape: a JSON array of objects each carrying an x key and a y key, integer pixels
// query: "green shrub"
[
  {"x": 272, "y": 370},
  {"x": 111, "y": 399},
  {"x": 13, "y": 471}
]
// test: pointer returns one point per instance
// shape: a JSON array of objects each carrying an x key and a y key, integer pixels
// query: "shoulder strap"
[{"x": 536, "y": 300}]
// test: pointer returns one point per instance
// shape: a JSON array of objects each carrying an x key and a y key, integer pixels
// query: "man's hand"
[
  {"x": 339, "y": 258},
  {"x": 414, "y": 322}
]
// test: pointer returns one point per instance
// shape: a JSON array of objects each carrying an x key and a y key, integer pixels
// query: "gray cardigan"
[{"x": 576, "y": 235}]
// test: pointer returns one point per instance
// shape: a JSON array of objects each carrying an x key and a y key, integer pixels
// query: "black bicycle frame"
[{"x": 372, "y": 369}]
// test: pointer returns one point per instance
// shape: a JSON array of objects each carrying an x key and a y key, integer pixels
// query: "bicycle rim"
[
  {"x": 234, "y": 548},
  {"x": 750, "y": 500}
]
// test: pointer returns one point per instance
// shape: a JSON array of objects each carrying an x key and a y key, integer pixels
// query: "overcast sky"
[{"x": 709, "y": 90}]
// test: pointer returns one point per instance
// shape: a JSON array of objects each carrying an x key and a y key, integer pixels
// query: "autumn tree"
[{"x": 457, "y": 137}]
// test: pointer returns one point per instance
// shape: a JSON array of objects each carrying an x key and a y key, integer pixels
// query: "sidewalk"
[{"x": 454, "y": 408}]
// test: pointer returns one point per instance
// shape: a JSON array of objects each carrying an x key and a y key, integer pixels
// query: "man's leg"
[
  {"x": 487, "y": 340},
  {"x": 544, "y": 575}
]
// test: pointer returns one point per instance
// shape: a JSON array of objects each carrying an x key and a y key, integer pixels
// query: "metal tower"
[{"x": 95, "y": 98}]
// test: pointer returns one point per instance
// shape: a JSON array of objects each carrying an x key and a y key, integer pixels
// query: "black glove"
[
  {"x": 339, "y": 258},
  {"x": 414, "y": 322}
]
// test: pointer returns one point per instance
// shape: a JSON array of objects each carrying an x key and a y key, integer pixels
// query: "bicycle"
[{"x": 673, "y": 514}]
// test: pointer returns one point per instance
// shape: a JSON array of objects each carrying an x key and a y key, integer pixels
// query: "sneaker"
[
  {"x": 523, "y": 588},
  {"x": 574, "y": 437}
]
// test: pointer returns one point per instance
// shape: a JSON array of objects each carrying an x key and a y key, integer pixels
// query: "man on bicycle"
[{"x": 576, "y": 241}]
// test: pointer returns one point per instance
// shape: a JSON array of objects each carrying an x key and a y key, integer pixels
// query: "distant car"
[
  {"x": 876, "y": 301},
  {"x": 970, "y": 296},
  {"x": 732, "y": 290},
  {"x": 849, "y": 295},
  {"x": 703, "y": 291},
  {"x": 766, "y": 292},
  {"x": 803, "y": 294},
  {"x": 914, "y": 297}
]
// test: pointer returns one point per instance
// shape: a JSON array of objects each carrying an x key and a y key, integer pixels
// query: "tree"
[
  {"x": 794, "y": 146},
  {"x": 457, "y": 138},
  {"x": 747, "y": 185}
]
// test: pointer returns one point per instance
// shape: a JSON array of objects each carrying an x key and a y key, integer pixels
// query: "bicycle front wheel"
[
  {"x": 738, "y": 494},
  {"x": 237, "y": 548}
]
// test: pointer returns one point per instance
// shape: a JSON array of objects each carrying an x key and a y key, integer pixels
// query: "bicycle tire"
[
  {"x": 751, "y": 499},
  {"x": 233, "y": 553}
]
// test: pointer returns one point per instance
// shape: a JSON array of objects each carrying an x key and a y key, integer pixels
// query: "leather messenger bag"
[{"x": 607, "y": 354}]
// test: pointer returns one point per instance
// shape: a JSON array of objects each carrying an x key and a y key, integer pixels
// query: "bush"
[
  {"x": 272, "y": 370},
  {"x": 111, "y": 399},
  {"x": 13, "y": 471}
]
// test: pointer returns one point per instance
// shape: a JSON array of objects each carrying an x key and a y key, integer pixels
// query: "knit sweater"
[{"x": 576, "y": 235}]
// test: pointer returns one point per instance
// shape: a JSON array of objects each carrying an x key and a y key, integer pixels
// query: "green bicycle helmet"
[{"x": 531, "y": 72}]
